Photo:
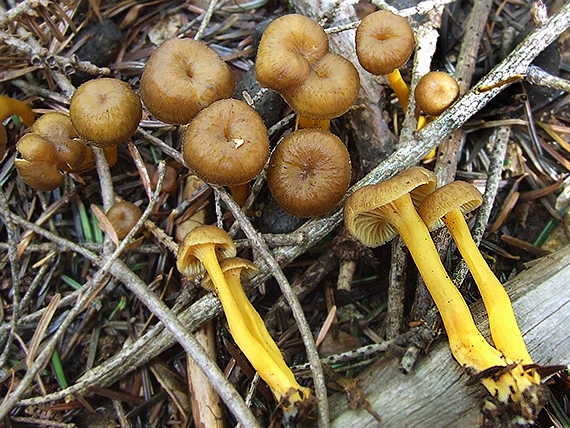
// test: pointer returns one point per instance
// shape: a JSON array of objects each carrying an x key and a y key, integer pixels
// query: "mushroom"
[
  {"x": 58, "y": 130},
  {"x": 293, "y": 59},
  {"x": 226, "y": 144},
  {"x": 123, "y": 216},
  {"x": 384, "y": 42},
  {"x": 105, "y": 111},
  {"x": 200, "y": 251},
  {"x": 38, "y": 165},
  {"x": 449, "y": 203},
  {"x": 435, "y": 92},
  {"x": 182, "y": 77},
  {"x": 10, "y": 106},
  {"x": 373, "y": 215},
  {"x": 309, "y": 172},
  {"x": 250, "y": 333}
]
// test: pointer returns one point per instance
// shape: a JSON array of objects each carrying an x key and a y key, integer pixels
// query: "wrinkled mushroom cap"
[
  {"x": 435, "y": 92},
  {"x": 329, "y": 90},
  {"x": 123, "y": 216},
  {"x": 242, "y": 268},
  {"x": 290, "y": 45},
  {"x": 309, "y": 172},
  {"x": 182, "y": 77},
  {"x": 105, "y": 111},
  {"x": 38, "y": 165},
  {"x": 455, "y": 195},
  {"x": 384, "y": 42},
  {"x": 362, "y": 209},
  {"x": 226, "y": 143},
  {"x": 187, "y": 261}
]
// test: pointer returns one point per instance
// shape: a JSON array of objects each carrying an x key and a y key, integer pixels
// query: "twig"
[{"x": 312, "y": 355}]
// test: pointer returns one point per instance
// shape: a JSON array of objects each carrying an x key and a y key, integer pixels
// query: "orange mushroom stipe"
[
  {"x": 309, "y": 172},
  {"x": 227, "y": 145},
  {"x": 182, "y": 77},
  {"x": 105, "y": 111},
  {"x": 10, "y": 106},
  {"x": 384, "y": 43},
  {"x": 294, "y": 59}
]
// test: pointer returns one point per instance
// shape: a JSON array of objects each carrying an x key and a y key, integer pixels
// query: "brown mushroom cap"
[
  {"x": 455, "y": 195},
  {"x": 105, "y": 111},
  {"x": 363, "y": 209},
  {"x": 186, "y": 260},
  {"x": 384, "y": 42},
  {"x": 226, "y": 143},
  {"x": 123, "y": 216},
  {"x": 38, "y": 166},
  {"x": 435, "y": 92},
  {"x": 290, "y": 45},
  {"x": 182, "y": 77},
  {"x": 57, "y": 129},
  {"x": 329, "y": 91},
  {"x": 309, "y": 172}
]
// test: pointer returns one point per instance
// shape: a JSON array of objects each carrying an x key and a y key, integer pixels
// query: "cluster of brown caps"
[{"x": 103, "y": 112}]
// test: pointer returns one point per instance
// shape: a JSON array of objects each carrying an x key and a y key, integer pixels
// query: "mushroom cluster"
[
  {"x": 375, "y": 214},
  {"x": 211, "y": 249},
  {"x": 293, "y": 59},
  {"x": 53, "y": 148}
]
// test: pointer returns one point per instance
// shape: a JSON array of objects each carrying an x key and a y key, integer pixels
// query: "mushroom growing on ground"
[
  {"x": 105, "y": 111},
  {"x": 251, "y": 335},
  {"x": 182, "y": 77},
  {"x": 227, "y": 144},
  {"x": 309, "y": 172},
  {"x": 38, "y": 165},
  {"x": 384, "y": 42},
  {"x": 123, "y": 216},
  {"x": 10, "y": 106},
  {"x": 373, "y": 215},
  {"x": 294, "y": 59},
  {"x": 435, "y": 92},
  {"x": 449, "y": 203}
]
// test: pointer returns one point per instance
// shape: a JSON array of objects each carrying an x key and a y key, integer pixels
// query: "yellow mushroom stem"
[
  {"x": 467, "y": 344},
  {"x": 247, "y": 333},
  {"x": 10, "y": 106},
  {"x": 502, "y": 322},
  {"x": 304, "y": 123},
  {"x": 400, "y": 88}
]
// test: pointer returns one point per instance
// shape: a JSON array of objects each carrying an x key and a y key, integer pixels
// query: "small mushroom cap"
[
  {"x": 384, "y": 42},
  {"x": 309, "y": 172},
  {"x": 226, "y": 143},
  {"x": 455, "y": 195},
  {"x": 38, "y": 166},
  {"x": 236, "y": 266},
  {"x": 289, "y": 47},
  {"x": 362, "y": 209},
  {"x": 105, "y": 111},
  {"x": 182, "y": 77},
  {"x": 435, "y": 92},
  {"x": 329, "y": 91},
  {"x": 187, "y": 261},
  {"x": 58, "y": 130},
  {"x": 123, "y": 216}
]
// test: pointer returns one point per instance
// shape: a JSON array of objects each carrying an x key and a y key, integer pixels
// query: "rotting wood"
[{"x": 436, "y": 393}]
